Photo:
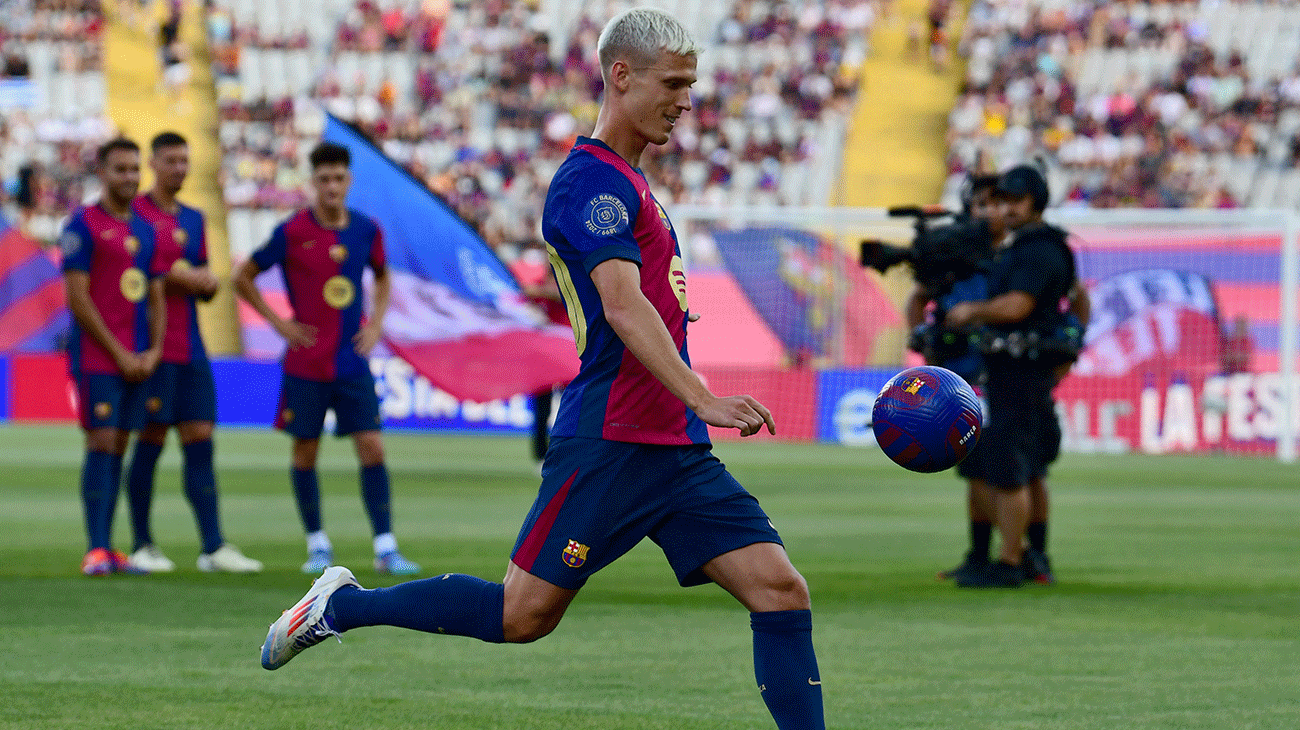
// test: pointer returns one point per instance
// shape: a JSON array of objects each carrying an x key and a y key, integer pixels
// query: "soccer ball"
[{"x": 926, "y": 419}]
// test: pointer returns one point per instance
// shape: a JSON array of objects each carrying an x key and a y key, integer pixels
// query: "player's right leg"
[
  {"x": 301, "y": 414},
  {"x": 108, "y": 410}
]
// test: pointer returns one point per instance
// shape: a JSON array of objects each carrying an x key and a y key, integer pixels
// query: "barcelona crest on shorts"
[{"x": 575, "y": 554}]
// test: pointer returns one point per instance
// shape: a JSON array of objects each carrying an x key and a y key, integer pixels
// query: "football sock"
[
  {"x": 1037, "y": 532},
  {"x": 376, "y": 495},
  {"x": 455, "y": 604},
  {"x": 981, "y": 537},
  {"x": 385, "y": 543},
  {"x": 306, "y": 491},
  {"x": 96, "y": 473},
  {"x": 114, "y": 487},
  {"x": 201, "y": 491},
  {"x": 786, "y": 669},
  {"x": 139, "y": 489},
  {"x": 319, "y": 542}
]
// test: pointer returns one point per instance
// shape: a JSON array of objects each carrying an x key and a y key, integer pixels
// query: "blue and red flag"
[
  {"x": 457, "y": 315},
  {"x": 33, "y": 309}
]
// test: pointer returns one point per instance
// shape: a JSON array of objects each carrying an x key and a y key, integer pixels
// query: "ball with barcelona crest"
[{"x": 927, "y": 419}]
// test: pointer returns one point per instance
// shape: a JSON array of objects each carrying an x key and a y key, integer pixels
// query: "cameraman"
[
  {"x": 1031, "y": 275},
  {"x": 965, "y": 360}
]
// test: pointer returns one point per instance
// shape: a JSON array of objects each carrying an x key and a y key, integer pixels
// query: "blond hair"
[{"x": 639, "y": 35}]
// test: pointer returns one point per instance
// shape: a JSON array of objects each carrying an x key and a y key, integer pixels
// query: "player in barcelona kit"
[
  {"x": 322, "y": 252},
  {"x": 630, "y": 456},
  {"x": 115, "y": 294},
  {"x": 181, "y": 392}
]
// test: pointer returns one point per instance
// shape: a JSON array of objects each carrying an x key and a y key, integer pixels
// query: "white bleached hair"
[{"x": 639, "y": 34}]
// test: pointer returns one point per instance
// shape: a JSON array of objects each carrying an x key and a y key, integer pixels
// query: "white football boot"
[
  {"x": 304, "y": 625},
  {"x": 228, "y": 559},
  {"x": 151, "y": 560}
]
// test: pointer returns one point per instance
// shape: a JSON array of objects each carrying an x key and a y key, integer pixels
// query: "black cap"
[{"x": 1023, "y": 180}]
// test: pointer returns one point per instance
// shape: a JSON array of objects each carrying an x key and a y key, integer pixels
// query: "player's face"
[
  {"x": 658, "y": 94},
  {"x": 985, "y": 206},
  {"x": 331, "y": 184},
  {"x": 120, "y": 175},
  {"x": 1018, "y": 212},
  {"x": 170, "y": 165}
]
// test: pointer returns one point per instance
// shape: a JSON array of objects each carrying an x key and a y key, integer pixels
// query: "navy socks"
[
  {"x": 139, "y": 489},
  {"x": 96, "y": 479},
  {"x": 786, "y": 669},
  {"x": 455, "y": 604},
  {"x": 376, "y": 496},
  {"x": 306, "y": 491},
  {"x": 201, "y": 491}
]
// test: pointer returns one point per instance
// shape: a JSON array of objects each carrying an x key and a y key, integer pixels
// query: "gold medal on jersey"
[
  {"x": 339, "y": 253},
  {"x": 178, "y": 235},
  {"x": 339, "y": 292},
  {"x": 133, "y": 284},
  {"x": 131, "y": 244},
  {"x": 677, "y": 280}
]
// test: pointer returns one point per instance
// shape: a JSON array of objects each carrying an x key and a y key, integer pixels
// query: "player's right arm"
[
  {"x": 77, "y": 244},
  {"x": 637, "y": 323},
  {"x": 294, "y": 332}
]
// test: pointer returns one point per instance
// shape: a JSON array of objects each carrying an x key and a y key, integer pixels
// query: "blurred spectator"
[{"x": 1236, "y": 347}]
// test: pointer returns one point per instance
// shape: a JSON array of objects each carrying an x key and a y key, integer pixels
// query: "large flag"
[
  {"x": 33, "y": 311},
  {"x": 457, "y": 315}
]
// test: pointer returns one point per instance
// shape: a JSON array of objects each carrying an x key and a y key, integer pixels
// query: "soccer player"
[
  {"x": 322, "y": 252},
  {"x": 119, "y": 315},
  {"x": 181, "y": 392},
  {"x": 630, "y": 456}
]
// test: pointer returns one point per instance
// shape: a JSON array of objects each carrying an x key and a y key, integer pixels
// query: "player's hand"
[
  {"x": 127, "y": 363},
  {"x": 150, "y": 359},
  {"x": 961, "y": 315},
  {"x": 742, "y": 412},
  {"x": 693, "y": 317},
  {"x": 205, "y": 284},
  {"x": 296, "y": 333},
  {"x": 137, "y": 370},
  {"x": 366, "y": 338}
]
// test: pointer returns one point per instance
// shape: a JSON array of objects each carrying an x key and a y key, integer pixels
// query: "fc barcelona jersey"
[
  {"x": 181, "y": 243},
  {"x": 600, "y": 208}
]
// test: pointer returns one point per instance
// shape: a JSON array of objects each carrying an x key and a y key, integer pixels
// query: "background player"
[
  {"x": 630, "y": 455},
  {"x": 116, "y": 339},
  {"x": 322, "y": 252},
  {"x": 181, "y": 392}
]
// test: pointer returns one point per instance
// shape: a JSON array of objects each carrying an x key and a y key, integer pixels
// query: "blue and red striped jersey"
[
  {"x": 322, "y": 270},
  {"x": 118, "y": 256},
  {"x": 181, "y": 242},
  {"x": 600, "y": 208}
]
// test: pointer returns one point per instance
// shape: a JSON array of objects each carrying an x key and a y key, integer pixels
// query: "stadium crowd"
[
  {"x": 490, "y": 107},
  {"x": 1136, "y": 105},
  {"x": 50, "y": 126}
]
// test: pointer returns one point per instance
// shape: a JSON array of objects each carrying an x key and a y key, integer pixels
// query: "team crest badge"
[
  {"x": 287, "y": 415},
  {"x": 131, "y": 244},
  {"x": 338, "y": 252},
  {"x": 575, "y": 555},
  {"x": 154, "y": 404},
  {"x": 103, "y": 410},
  {"x": 913, "y": 386},
  {"x": 308, "y": 244},
  {"x": 178, "y": 235}
]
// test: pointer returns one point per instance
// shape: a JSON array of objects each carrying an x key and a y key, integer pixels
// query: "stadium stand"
[
  {"x": 52, "y": 95},
  {"x": 1172, "y": 104},
  {"x": 482, "y": 100}
]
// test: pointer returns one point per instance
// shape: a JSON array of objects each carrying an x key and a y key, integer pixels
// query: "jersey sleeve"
[
  {"x": 378, "y": 256},
  {"x": 1042, "y": 268},
  {"x": 596, "y": 217},
  {"x": 201, "y": 250},
  {"x": 77, "y": 245},
  {"x": 272, "y": 252}
]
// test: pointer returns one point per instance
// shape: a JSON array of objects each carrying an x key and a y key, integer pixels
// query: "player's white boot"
[
  {"x": 151, "y": 560},
  {"x": 228, "y": 559},
  {"x": 304, "y": 625}
]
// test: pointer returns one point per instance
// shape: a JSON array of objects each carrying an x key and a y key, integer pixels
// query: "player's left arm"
[
  {"x": 195, "y": 279},
  {"x": 370, "y": 333}
]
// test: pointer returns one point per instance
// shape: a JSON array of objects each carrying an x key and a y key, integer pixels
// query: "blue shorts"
[
  {"x": 303, "y": 403},
  {"x": 599, "y": 498},
  {"x": 177, "y": 393},
  {"x": 109, "y": 401}
]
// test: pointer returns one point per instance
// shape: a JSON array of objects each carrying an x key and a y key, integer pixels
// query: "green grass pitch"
[{"x": 1177, "y": 606}]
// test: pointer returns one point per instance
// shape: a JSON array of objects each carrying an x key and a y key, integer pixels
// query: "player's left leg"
[
  {"x": 160, "y": 402},
  {"x": 762, "y": 578}
]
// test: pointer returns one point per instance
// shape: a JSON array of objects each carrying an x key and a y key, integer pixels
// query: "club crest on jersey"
[
  {"x": 103, "y": 410},
  {"x": 677, "y": 280},
  {"x": 339, "y": 292},
  {"x": 133, "y": 284},
  {"x": 287, "y": 415},
  {"x": 339, "y": 253},
  {"x": 179, "y": 236},
  {"x": 575, "y": 555},
  {"x": 606, "y": 215},
  {"x": 308, "y": 244},
  {"x": 154, "y": 404},
  {"x": 663, "y": 217},
  {"x": 131, "y": 244}
]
